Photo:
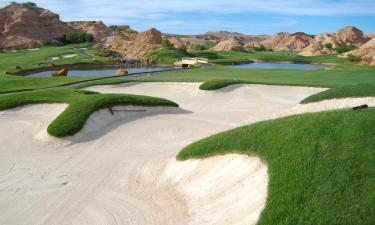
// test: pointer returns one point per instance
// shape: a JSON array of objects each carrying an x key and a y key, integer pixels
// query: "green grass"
[
  {"x": 168, "y": 56},
  {"x": 81, "y": 105},
  {"x": 348, "y": 75},
  {"x": 31, "y": 59},
  {"x": 218, "y": 84},
  {"x": 342, "y": 74},
  {"x": 9, "y": 83},
  {"x": 359, "y": 90},
  {"x": 27, "y": 59},
  {"x": 103, "y": 82},
  {"x": 321, "y": 166}
]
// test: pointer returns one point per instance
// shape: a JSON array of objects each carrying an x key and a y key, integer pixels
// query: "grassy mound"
[
  {"x": 359, "y": 90},
  {"x": 321, "y": 166},
  {"x": 220, "y": 83},
  {"x": 81, "y": 105},
  {"x": 168, "y": 56}
]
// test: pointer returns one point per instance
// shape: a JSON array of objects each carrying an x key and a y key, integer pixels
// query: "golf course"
[{"x": 110, "y": 126}]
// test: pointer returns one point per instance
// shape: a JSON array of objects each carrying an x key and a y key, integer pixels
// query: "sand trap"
[
  {"x": 121, "y": 169},
  {"x": 54, "y": 58},
  {"x": 334, "y": 104},
  {"x": 33, "y": 49},
  {"x": 230, "y": 189},
  {"x": 69, "y": 56}
]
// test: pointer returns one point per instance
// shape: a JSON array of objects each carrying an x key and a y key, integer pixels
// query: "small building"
[{"x": 189, "y": 62}]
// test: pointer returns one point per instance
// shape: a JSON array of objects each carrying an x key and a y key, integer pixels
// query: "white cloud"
[
  {"x": 170, "y": 15},
  {"x": 150, "y": 8}
]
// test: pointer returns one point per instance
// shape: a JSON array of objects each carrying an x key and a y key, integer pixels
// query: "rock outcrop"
[
  {"x": 286, "y": 42},
  {"x": 25, "y": 26},
  {"x": 122, "y": 72},
  {"x": 177, "y": 42},
  {"x": 232, "y": 44},
  {"x": 97, "y": 28},
  {"x": 134, "y": 46},
  {"x": 151, "y": 36},
  {"x": 342, "y": 37},
  {"x": 366, "y": 52},
  {"x": 349, "y": 35},
  {"x": 61, "y": 73},
  {"x": 214, "y": 37}
]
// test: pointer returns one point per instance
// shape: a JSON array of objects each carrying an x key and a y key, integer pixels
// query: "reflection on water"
[{"x": 287, "y": 66}]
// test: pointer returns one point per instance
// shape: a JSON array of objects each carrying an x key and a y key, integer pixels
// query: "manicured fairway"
[
  {"x": 27, "y": 59},
  {"x": 349, "y": 75},
  {"x": 321, "y": 166},
  {"x": 168, "y": 56}
]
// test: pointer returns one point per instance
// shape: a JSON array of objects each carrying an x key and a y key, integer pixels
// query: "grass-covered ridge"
[
  {"x": 350, "y": 91},
  {"x": 321, "y": 166},
  {"x": 218, "y": 84},
  {"x": 81, "y": 105}
]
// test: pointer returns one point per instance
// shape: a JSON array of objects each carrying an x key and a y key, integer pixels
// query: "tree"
[
  {"x": 328, "y": 45},
  {"x": 345, "y": 48},
  {"x": 78, "y": 37},
  {"x": 89, "y": 37},
  {"x": 166, "y": 43}
]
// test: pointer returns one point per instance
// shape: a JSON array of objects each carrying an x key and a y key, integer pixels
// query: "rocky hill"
[
  {"x": 366, "y": 52},
  {"x": 97, "y": 28},
  {"x": 285, "y": 41},
  {"x": 231, "y": 44},
  {"x": 25, "y": 26},
  {"x": 213, "y": 37},
  {"x": 135, "y": 45},
  {"x": 345, "y": 36}
]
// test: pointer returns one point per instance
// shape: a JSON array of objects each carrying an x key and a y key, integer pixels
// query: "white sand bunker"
[
  {"x": 67, "y": 56},
  {"x": 220, "y": 190},
  {"x": 120, "y": 169},
  {"x": 334, "y": 104},
  {"x": 230, "y": 189}
]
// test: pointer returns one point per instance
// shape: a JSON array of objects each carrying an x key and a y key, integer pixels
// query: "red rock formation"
[
  {"x": 23, "y": 26},
  {"x": 232, "y": 44},
  {"x": 137, "y": 47},
  {"x": 98, "y": 29},
  {"x": 366, "y": 52},
  {"x": 342, "y": 37},
  {"x": 285, "y": 41},
  {"x": 151, "y": 36}
]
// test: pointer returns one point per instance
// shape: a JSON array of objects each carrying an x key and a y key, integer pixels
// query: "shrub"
[
  {"x": 260, "y": 49},
  {"x": 30, "y": 4},
  {"x": 89, "y": 37},
  {"x": 328, "y": 45},
  {"x": 78, "y": 37},
  {"x": 197, "y": 65},
  {"x": 166, "y": 43},
  {"x": 345, "y": 48},
  {"x": 25, "y": 4},
  {"x": 353, "y": 59},
  {"x": 198, "y": 47}
]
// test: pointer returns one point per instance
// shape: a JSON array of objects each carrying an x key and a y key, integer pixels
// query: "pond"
[
  {"x": 99, "y": 72},
  {"x": 286, "y": 66}
]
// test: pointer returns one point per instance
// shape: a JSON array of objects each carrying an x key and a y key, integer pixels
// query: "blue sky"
[{"x": 200, "y": 16}]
